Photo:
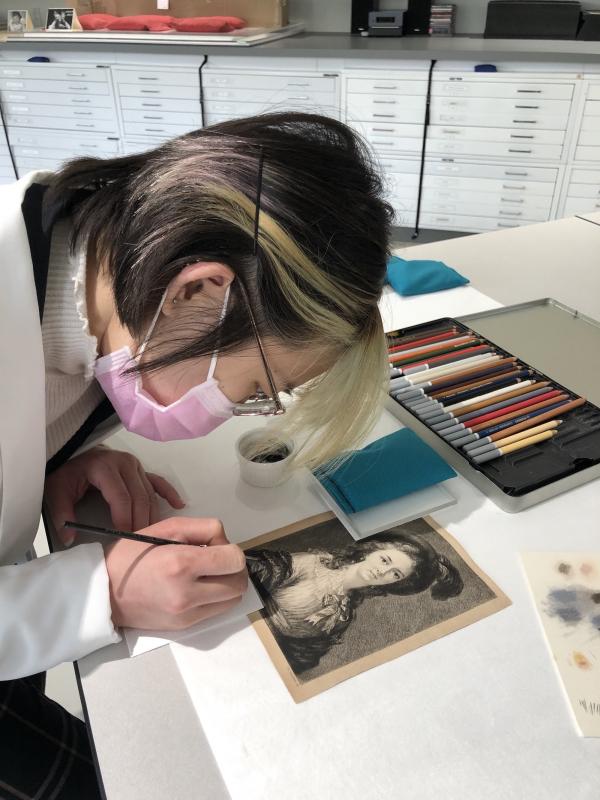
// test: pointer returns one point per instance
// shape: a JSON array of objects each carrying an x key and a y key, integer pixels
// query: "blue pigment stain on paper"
[{"x": 573, "y": 605}]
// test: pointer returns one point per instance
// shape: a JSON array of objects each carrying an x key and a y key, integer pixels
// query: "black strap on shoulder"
[
  {"x": 39, "y": 240},
  {"x": 101, "y": 413}
]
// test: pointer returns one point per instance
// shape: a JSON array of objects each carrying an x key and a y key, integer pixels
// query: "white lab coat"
[{"x": 54, "y": 608}]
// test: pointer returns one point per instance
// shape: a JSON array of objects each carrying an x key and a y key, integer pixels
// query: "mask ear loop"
[
  {"x": 213, "y": 359},
  {"x": 140, "y": 352}
]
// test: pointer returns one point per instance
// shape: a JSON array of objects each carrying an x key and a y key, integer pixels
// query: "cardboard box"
[{"x": 257, "y": 13}]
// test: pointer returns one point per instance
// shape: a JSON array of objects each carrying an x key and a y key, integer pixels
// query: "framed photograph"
[
  {"x": 18, "y": 21},
  {"x": 334, "y": 607},
  {"x": 62, "y": 19}
]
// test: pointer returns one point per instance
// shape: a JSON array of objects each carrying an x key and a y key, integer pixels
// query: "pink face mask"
[{"x": 198, "y": 412}]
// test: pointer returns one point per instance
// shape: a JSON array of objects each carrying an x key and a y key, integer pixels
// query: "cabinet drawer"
[
  {"x": 483, "y": 105},
  {"x": 581, "y": 205},
  {"x": 453, "y": 169},
  {"x": 525, "y": 135},
  {"x": 54, "y": 87},
  {"x": 150, "y": 116},
  {"x": 269, "y": 96},
  {"x": 591, "y": 109},
  {"x": 593, "y": 92},
  {"x": 486, "y": 206},
  {"x": 585, "y": 153},
  {"x": 63, "y": 113},
  {"x": 586, "y": 176},
  {"x": 33, "y": 140},
  {"x": 496, "y": 149},
  {"x": 507, "y": 188},
  {"x": 157, "y": 130},
  {"x": 397, "y": 87},
  {"x": 52, "y": 73},
  {"x": 589, "y": 190},
  {"x": 215, "y": 108},
  {"x": 160, "y": 104},
  {"x": 41, "y": 98},
  {"x": 149, "y": 77},
  {"x": 590, "y": 137},
  {"x": 458, "y": 222},
  {"x": 511, "y": 120},
  {"x": 25, "y": 165},
  {"x": 99, "y": 125},
  {"x": 451, "y": 86},
  {"x": 190, "y": 93},
  {"x": 248, "y": 80},
  {"x": 393, "y": 109}
]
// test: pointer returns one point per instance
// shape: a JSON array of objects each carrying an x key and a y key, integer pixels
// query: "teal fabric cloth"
[
  {"x": 384, "y": 470},
  {"x": 421, "y": 277}
]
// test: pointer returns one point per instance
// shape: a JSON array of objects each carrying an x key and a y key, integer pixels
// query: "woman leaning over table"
[{"x": 176, "y": 288}]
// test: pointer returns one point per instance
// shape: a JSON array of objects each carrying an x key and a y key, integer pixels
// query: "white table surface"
[{"x": 477, "y": 714}]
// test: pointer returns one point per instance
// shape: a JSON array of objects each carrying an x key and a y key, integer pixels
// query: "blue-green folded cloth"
[
  {"x": 391, "y": 467},
  {"x": 420, "y": 277}
]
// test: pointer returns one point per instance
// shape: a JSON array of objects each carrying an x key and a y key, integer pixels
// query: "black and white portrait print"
[
  {"x": 59, "y": 19},
  {"x": 335, "y": 606}
]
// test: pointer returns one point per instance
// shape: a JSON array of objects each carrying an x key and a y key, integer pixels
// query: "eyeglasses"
[{"x": 259, "y": 404}]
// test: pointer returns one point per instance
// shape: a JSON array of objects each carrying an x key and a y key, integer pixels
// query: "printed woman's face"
[{"x": 384, "y": 566}]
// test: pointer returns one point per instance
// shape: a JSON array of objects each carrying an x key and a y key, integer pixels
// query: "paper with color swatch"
[{"x": 566, "y": 592}]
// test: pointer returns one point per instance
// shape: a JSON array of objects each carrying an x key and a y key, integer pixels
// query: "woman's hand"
[
  {"x": 172, "y": 587},
  {"x": 131, "y": 493}
]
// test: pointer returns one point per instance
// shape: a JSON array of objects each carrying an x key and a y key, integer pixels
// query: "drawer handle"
[
  {"x": 78, "y": 88},
  {"x": 388, "y": 144},
  {"x": 383, "y": 130},
  {"x": 386, "y": 116},
  {"x": 525, "y": 121},
  {"x": 520, "y": 174},
  {"x": 298, "y": 84},
  {"x": 145, "y": 78},
  {"x": 522, "y": 136},
  {"x": 504, "y": 225},
  {"x": 510, "y": 213},
  {"x": 512, "y": 200},
  {"x": 516, "y": 150},
  {"x": 82, "y": 113},
  {"x": 384, "y": 102},
  {"x": 298, "y": 97},
  {"x": 84, "y": 125},
  {"x": 75, "y": 74},
  {"x": 83, "y": 100},
  {"x": 385, "y": 87},
  {"x": 15, "y": 85},
  {"x": 522, "y": 106},
  {"x": 152, "y": 105},
  {"x": 529, "y": 91},
  {"x": 149, "y": 116},
  {"x": 17, "y": 98},
  {"x": 442, "y": 219},
  {"x": 449, "y": 130},
  {"x": 519, "y": 188},
  {"x": 155, "y": 130}
]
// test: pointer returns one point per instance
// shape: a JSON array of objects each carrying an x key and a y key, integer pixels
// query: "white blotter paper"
[{"x": 139, "y": 641}]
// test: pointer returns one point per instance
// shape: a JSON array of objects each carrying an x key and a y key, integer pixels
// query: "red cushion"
[
  {"x": 126, "y": 24},
  {"x": 234, "y": 22},
  {"x": 95, "y": 22},
  {"x": 203, "y": 25}
]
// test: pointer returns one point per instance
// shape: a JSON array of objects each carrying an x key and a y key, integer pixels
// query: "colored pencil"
[
  {"x": 456, "y": 378},
  {"x": 444, "y": 419},
  {"x": 519, "y": 423},
  {"x": 426, "y": 375},
  {"x": 497, "y": 413},
  {"x": 451, "y": 435},
  {"x": 425, "y": 348},
  {"x": 404, "y": 358},
  {"x": 395, "y": 348},
  {"x": 484, "y": 396},
  {"x": 437, "y": 361},
  {"x": 516, "y": 437},
  {"x": 512, "y": 448},
  {"x": 447, "y": 395},
  {"x": 496, "y": 380},
  {"x": 518, "y": 390},
  {"x": 136, "y": 537},
  {"x": 394, "y": 337}
]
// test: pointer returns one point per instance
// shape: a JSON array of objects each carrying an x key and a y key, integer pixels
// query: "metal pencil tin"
[{"x": 562, "y": 346}]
